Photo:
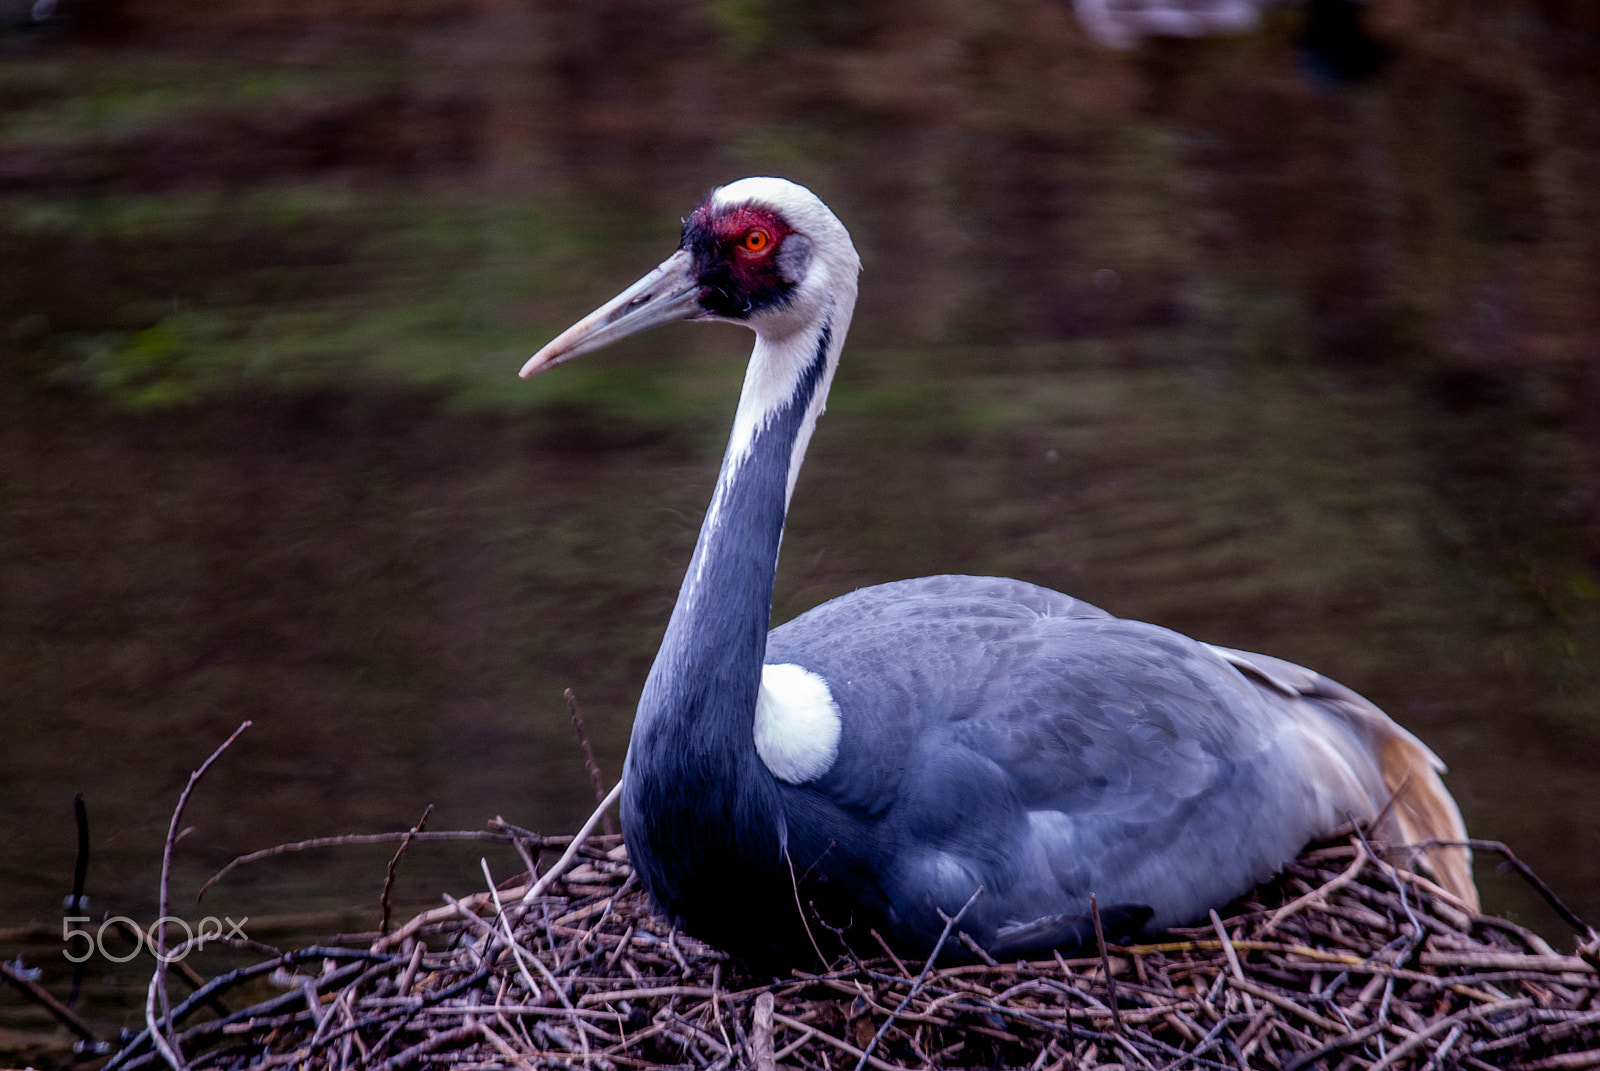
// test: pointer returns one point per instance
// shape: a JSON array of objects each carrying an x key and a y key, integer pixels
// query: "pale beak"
[{"x": 668, "y": 294}]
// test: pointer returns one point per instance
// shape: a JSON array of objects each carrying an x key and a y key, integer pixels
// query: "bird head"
[{"x": 763, "y": 252}]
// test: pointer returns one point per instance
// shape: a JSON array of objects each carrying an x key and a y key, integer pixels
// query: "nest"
[{"x": 1343, "y": 962}]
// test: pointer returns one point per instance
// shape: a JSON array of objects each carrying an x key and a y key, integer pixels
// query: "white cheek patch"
[{"x": 797, "y": 723}]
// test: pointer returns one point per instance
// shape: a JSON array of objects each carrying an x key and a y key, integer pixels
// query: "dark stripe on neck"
[
  {"x": 699, "y": 807},
  {"x": 709, "y": 665},
  {"x": 806, "y": 390}
]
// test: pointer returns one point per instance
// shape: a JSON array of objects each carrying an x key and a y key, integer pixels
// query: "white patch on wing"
[{"x": 797, "y": 723}]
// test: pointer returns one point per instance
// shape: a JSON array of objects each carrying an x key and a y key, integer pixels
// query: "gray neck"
[{"x": 702, "y": 689}]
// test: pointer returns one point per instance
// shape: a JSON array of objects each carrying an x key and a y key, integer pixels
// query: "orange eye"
[{"x": 756, "y": 241}]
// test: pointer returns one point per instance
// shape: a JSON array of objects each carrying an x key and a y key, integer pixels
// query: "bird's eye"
[{"x": 756, "y": 240}]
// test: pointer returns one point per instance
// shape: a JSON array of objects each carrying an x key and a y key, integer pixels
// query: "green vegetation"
[
  {"x": 55, "y": 101},
  {"x": 448, "y": 296}
]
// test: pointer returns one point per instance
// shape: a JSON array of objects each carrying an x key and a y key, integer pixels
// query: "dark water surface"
[{"x": 1290, "y": 368}]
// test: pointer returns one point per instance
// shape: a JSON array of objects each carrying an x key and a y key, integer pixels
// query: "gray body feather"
[{"x": 1002, "y": 734}]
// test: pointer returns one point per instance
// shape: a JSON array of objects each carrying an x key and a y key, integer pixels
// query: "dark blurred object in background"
[{"x": 1335, "y": 45}]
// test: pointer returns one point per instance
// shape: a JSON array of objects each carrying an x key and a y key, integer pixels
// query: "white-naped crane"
[{"x": 879, "y": 758}]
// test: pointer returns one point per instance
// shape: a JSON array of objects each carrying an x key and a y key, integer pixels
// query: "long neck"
[{"x": 702, "y": 688}]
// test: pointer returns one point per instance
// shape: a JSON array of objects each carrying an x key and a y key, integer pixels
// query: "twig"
[
  {"x": 80, "y": 872},
  {"x": 409, "y": 976},
  {"x": 354, "y": 838},
  {"x": 187, "y": 972},
  {"x": 505, "y": 1048},
  {"x": 1321, "y": 893},
  {"x": 511, "y": 938},
  {"x": 1105, "y": 962},
  {"x": 41, "y": 996},
  {"x": 1569, "y": 916},
  {"x": 1414, "y": 940},
  {"x": 167, "y": 1047},
  {"x": 1246, "y": 986},
  {"x": 80, "y": 866},
  {"x": 761, "y": 1054},
  {"x": 800, "y": 909},
  {"x": 549, "y": 876},
  {"x": 876, "y": 936},
  {"x": 1394, "y": 798},
  {"x": 978, "y": 952},
  {"x": 429, "y": 1044},
  {"x": 1343, "y": 1041},
  {"x": 1440, "y": 1026},
  {"x": 588, "y": 756},
  {"x": 1227, "y": 945},
  {"x": 1439, "y": 1054},
  {"x": 950, "y": 923},
  {"x": 828, "y": 1039},
  {"x": 520, "y": 843},
  {"x": 388, "y": 878},
  {"x": 158, "y": 978}
]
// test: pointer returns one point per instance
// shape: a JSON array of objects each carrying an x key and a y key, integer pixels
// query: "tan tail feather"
[
  {"x": 1424, "y": 810},
  {"x": 1420, "y": 807}
]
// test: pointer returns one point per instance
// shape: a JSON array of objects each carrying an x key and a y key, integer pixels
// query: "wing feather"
[{"x": 1000, "y": 732}]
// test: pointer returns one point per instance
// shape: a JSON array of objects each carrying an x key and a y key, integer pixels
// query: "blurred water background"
[{"x": 1286, "y": 338}]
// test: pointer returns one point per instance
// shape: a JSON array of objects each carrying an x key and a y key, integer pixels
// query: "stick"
[
  {"x": 827, "y": 1038},
  {"x": 80, "y": 867},
  {"x": 42, "y": 997},
  {"x": 1321, "y": 893},
  {"x": 949, "y": 924},
  {"x": 1227, "y": 945},
  {"x": 158, "y": 978},
  {"x": 388, "y": 878},
  {"x": 549, "y": 876},
  {"x": 80, "y": 871},
  {"x": 761, "y": 1054},
  {"x": 1479, "y": 1012},
  {"x": 188, "y": 973},
  {"x": 409, "y": 975},
  {"x": 1105, "y": 962},
  {"x": 799, "y": 908},
  {"x": 588, "y": 756},
  {"x": 1567, "y": 914},
  {"x": 511, "y": 938},
  {"x": 505, "y": 1049},
  {"x": 1247, "y": 986},
  {"x": 166, "y": 1048},
  {"x": 478, "y": 923},
  {"x": 876, "y": 936},
  {"x": 1343, "y": 1041},
  {"x": 1394, "y": 798},
  {"x": 521, "y": 845},
  {"x": 354, "y": 838},
  {"x": 1418, "y": 932},
  {"x": 976, "y": 949}
]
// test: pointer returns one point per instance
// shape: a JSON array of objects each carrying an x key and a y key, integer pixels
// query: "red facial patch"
[{"x": 734, "y": 253}]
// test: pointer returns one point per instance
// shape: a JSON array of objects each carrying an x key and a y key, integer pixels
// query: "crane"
[{"x": 877, "y": 760}]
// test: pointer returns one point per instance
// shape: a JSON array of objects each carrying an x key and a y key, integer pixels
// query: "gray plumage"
[{"x": 1003, "y": 734}]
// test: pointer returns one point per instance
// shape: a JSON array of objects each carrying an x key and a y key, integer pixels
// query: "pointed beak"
[{"x": 669, "y": 293}]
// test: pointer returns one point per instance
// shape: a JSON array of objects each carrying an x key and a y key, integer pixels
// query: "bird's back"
[{"x": 994, "y": 732}]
